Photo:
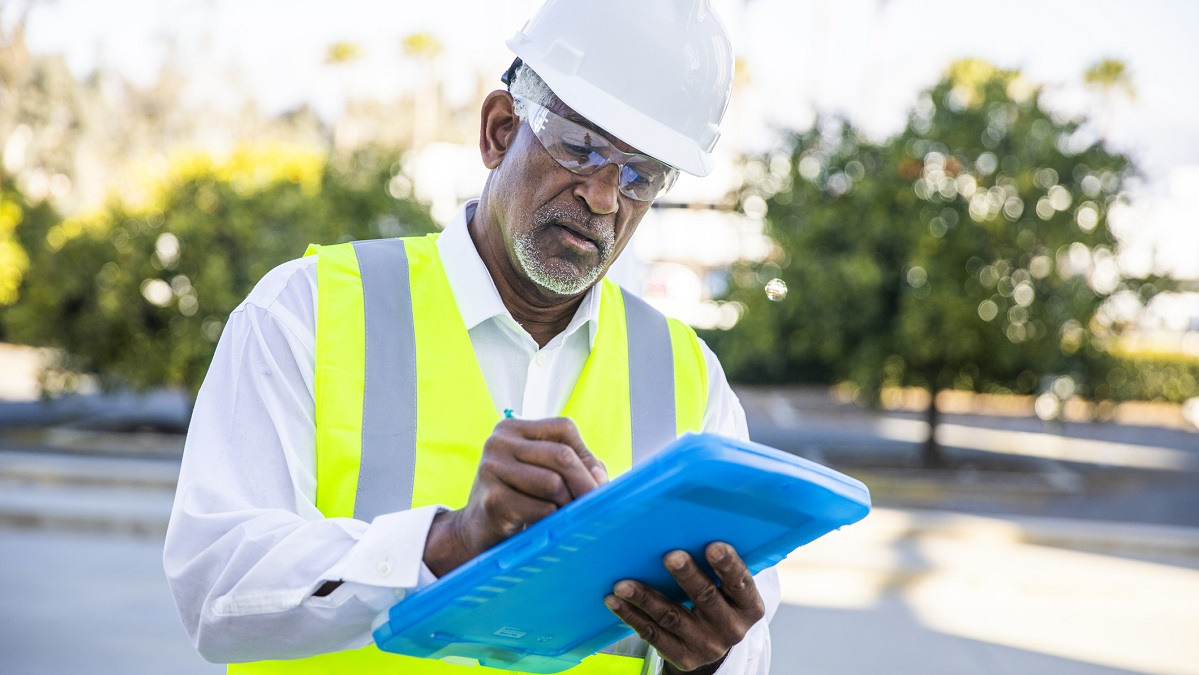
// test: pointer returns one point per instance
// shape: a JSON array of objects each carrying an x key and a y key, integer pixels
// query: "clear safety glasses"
[{"x": 584, "y": 151}]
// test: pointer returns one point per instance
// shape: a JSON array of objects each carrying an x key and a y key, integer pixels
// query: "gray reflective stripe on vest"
[
  {"x": 651, "y": 399},
  {"x": 651, "y": 377},
  {"x": 388, "y": 467}
]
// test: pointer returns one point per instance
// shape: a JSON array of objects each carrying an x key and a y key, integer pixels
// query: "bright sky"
[{"x": 863, "y": 58}]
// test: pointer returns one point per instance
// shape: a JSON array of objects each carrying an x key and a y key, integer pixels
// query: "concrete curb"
[
  {"x": 890, "y": 548},
  {"x": 50, "y": 468},
  {"x": 81, "y": 493},
  {"x": 1106, "y": 536},
  {"x": 134, "y": 496},
  {"x": 85, "y": 509},
  {"x": 901, "y": 484},
  {"x": 95, "y": 442}
]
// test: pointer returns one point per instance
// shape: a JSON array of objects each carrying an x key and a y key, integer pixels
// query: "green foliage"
[
  {"x": 1110, "y": 75},
  {"x": 1158, "y": 377},
  {"x": 971, "y": 251},
  {"x": 139, "y": 293},
  {"x": 18, "y": 219},
  {"x": 421, "y": 45},
  {"x": 343, "y": 52}
]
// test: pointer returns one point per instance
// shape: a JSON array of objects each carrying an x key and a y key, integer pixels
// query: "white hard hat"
[{"x": 657, "y": 74}]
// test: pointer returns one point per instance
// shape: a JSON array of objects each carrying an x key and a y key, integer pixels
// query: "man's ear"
[{"x": 497, "y": 127}]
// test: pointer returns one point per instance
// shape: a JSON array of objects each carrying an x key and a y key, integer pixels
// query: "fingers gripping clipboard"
[{"x": 534, "y": 603}]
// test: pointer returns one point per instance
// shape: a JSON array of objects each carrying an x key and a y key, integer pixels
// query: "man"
[{"x": 345, "y": 450}]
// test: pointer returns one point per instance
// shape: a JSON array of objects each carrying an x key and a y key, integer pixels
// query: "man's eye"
[
  {"x": 582, "y": 151},
  {"x": 636, "y": 177}
]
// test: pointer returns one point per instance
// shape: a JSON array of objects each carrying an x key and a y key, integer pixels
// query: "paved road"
[
  {"x": 913, "y": 591},
  {"x": 1016, "y": 562},
  {"x": 902, "y": 592},
  {"x": 88, "y": 603}
]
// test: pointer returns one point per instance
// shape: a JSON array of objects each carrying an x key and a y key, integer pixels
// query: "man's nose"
[{"x": 601, "y": 190}]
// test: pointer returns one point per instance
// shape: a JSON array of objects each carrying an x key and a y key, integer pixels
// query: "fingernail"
[
  {"x": 719, "y": 552},
  {"x": 611, "y": 602},
  {"x": 601, "y": 475},
  {"x": 624, "y": 589},
  {"x": 676, "y": 559}
]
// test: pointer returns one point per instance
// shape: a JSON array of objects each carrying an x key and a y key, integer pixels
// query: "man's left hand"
[{"x": 697, "y": 639}]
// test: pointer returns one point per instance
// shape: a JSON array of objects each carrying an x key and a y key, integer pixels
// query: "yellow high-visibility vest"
[{"x": 402, "y": 410}]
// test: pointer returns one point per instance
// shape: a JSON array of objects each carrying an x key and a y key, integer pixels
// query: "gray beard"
[{"x": 556, "y": 278}]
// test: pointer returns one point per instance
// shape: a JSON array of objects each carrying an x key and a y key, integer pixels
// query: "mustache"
[{"x": 594, "y": 226}]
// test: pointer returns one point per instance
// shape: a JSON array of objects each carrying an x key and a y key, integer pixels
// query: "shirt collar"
[{"x": 475, "y": 292}]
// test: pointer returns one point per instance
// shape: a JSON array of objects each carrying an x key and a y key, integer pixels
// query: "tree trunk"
[{"x": 931, "y": 456}]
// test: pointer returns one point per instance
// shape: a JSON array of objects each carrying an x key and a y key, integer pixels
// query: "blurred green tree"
[
  {"x": 44, "y": 114},
  {"x": 971, "y": 251},
  {"x": 424, "y": 50},
  {"x": 1109, "y": 77},
  {"x": 342, "y": 52},
  {"x": 19, "y": 219},
  {"x": 421, "y": 46},
  {"x": 139, "y": 293}
]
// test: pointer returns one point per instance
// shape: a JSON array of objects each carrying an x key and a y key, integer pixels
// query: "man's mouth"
[{"x": 577, "y": 238}]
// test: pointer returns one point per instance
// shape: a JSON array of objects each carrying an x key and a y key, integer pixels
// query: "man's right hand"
[{"x": 529, "y": 469}]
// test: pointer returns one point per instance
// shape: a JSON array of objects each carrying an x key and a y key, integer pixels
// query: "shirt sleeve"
[
  {"x": 725, "y": 416},
  {"x": 246, "y": 548}
]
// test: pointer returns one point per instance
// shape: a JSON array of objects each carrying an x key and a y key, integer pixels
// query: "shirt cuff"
[
  {"x": 751, "y": 656},
  {"x": 387, "y": 563}
]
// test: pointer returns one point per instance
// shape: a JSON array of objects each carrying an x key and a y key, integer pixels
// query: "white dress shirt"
[{"x": 247, "y": 547}]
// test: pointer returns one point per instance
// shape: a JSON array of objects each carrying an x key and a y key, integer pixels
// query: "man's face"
[{"x": 562, "y": 230}]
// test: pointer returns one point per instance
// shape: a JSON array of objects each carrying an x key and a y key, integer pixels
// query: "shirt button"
[
  {"x": 540, "y": 359},
  {"x": 384, "y": 569}
]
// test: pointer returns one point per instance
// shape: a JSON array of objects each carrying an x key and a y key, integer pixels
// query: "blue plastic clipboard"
[{"x": 534, "y": 603}]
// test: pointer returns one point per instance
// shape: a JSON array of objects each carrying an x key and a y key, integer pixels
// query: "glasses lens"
[
  {"x": 584, "y": 151},
  {"x": 645, "y": 178},
  {"x": 577, "y": 148}
]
